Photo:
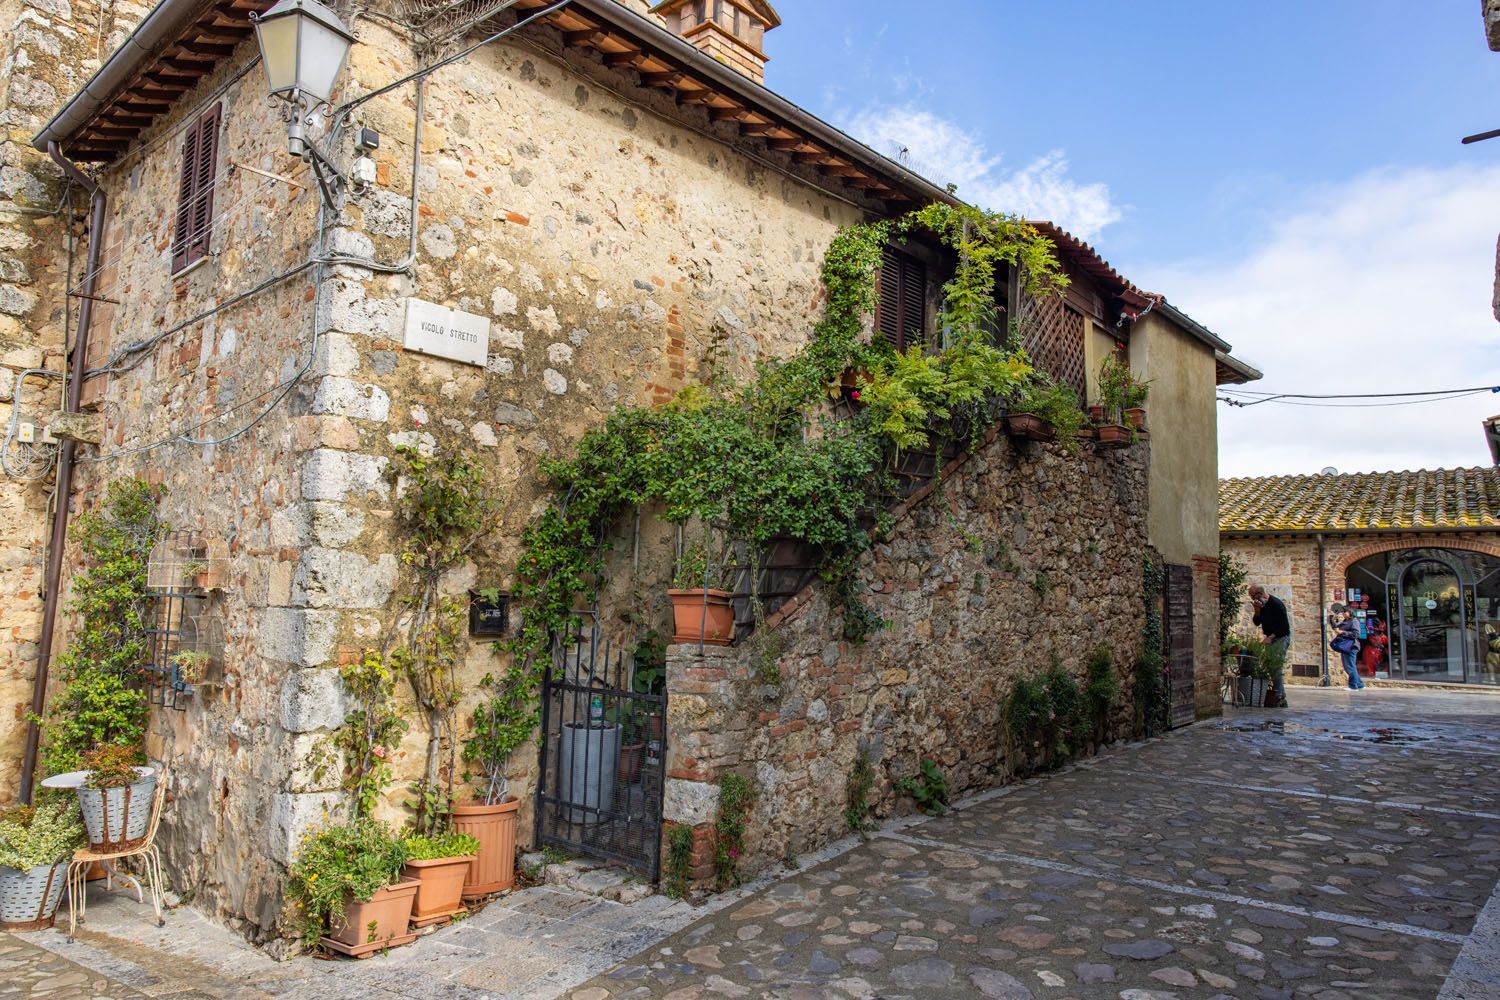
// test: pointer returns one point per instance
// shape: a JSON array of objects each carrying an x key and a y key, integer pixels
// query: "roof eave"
[{"x": 1238, "y": 372}]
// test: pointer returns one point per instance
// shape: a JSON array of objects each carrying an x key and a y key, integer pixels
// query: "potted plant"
[
  {"x": 1123, "y": 395},
  {"x": 1115, "y": 381},
  {"x": 499, "y": 725},
  {"x": 115, "y": 794},
  {"x": 1136, "y": 394},
  {"x": 192, "y": 666},
  {"x": 701, "y": 610},
  {"x": 1046, "y": 410},
  {"x": 195, "y": 574},
  {"x": 36, "y": 845},
  {"x": 1254, "y": 671},
  {"x": 632, "y": 723},
  {"x": 347, "y": 882},
  {"x": 440, "y": 864}
]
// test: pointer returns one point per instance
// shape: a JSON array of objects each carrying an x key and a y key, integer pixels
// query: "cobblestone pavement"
[
  {"x": 1347, "y": 848},
  {"x": 1343, "y": 849}
]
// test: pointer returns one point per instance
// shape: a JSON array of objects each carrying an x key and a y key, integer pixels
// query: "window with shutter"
[
  {"x": 901, "y": 314},
  {"x": 195, "y": 191}
]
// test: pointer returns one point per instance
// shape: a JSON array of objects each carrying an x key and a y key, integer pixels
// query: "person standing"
[
  {"x": 1346, "y": 644},
  {"x": 1270, "y": 615}
]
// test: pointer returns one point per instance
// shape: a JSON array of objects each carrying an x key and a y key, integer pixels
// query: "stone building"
[
  {"x": 1415, "y": 554},
  {"x": 608, "y": 206}
]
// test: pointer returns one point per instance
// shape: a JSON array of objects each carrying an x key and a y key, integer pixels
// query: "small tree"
[
  {"x": 1232, "y": 576},
  {"x": 500, "y": 725}
]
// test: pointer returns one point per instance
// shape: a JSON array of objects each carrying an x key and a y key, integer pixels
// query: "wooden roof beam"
[
  {"x": 586, "y": 36},
  {"x": 663, "y": 79},
  {"x": 624, "y": 60}
]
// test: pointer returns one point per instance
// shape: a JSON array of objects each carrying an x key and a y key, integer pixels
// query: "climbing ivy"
[
  {"x": 102, "y": 700},
  {"x": 1151, "y": 693},
  {"x": 753, "y": 461}
]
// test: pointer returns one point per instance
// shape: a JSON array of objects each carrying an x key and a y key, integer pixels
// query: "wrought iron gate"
[{"x": 603, "y": 755}]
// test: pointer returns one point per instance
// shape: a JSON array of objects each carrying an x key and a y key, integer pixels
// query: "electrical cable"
[
  {"x": 1462, "y": 394},
  {"x": 1356, "y": 395}
]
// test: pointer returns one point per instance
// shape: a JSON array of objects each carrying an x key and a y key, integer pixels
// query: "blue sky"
[{"x": 1288, "y": 173}]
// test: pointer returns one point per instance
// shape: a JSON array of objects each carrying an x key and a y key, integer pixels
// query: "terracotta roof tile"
[{"x": 1440, "y": 498}]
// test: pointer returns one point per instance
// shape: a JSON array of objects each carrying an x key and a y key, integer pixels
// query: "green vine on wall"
[
  {"x": 102, "y": 700},
  {"x": 1152, "y": 695},
  {"x": 736, "y": 796},
  {"x": 748, "y": 460}
]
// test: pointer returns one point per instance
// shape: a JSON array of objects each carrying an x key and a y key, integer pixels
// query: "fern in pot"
[{"x": 35, "y": 847}]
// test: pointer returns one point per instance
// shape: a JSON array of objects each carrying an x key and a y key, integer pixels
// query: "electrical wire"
[
  {"x": 1356, "y": 395},
  {"x": 1288, "y": 401}
]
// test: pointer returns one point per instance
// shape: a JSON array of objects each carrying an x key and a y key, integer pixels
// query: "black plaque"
[{"x": 488, "y": 618}]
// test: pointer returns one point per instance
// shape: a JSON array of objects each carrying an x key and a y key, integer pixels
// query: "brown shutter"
[
  {"x": 901, "y": 314},
  {"x": 195, "y": 192}
]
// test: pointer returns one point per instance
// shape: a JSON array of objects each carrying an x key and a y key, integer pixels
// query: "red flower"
[{"x": 854, "y": 394}]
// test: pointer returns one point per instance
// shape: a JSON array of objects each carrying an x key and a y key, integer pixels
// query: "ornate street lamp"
[{"x": 303, "y": 46}]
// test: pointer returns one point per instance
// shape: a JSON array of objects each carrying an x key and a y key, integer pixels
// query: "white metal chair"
[{"x": 150, "y": 863}]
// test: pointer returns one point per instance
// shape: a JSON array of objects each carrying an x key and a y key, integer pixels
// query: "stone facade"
[
  {"x": 1287, "y": 566},
  {"x": 958, "y": 583},
  {"x": 50, "y": 50},
  {"x": 618, "y": 251}
]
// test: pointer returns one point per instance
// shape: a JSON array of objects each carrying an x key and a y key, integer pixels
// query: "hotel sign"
[{"x": 447, "y": 333}]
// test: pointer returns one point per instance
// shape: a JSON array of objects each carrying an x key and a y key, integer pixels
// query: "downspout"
[
  {"x": 1323, "y": 680},
  {"x": 53, "y": 582}
]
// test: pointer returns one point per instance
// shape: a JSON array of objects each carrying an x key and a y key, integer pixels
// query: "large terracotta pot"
[
  {"x": 493, "y": 869},
  {"x": 702, "y": 616},
  {"x": 379, "y": 923},
  {"x": 1029, "y": 427},
  {"x": 440, "y": 885},
  {"x": 1136, "y": 417},
  {"x": 1113, "y": 436}
]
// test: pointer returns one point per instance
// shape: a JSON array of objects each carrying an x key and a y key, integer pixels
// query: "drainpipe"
[
  {"x": 59, "y": 535},
  {"x": 1323, "y": 680}
]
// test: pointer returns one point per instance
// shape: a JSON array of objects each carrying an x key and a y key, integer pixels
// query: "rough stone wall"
[
  {"x": 618, "y": 254},
  {"x": 1287, "y": 566},
  {"x": 50, "y": 49},
  {"x": 958, "y": 582}
]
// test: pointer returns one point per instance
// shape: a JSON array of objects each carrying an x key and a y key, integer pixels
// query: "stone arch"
[{"x": 1341, "y": 568}]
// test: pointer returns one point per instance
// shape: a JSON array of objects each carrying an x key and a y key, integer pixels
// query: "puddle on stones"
[{"x": 1375, "y": 734}]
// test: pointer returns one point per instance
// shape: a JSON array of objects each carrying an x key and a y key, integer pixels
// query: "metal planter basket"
[
  {"x": 117, "y": 818},
  {"x": 28, "y": 899},
  {"x": 1252, "y": 691}
]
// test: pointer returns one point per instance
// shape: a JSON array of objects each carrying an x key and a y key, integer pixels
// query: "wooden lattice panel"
[{"x": 1052, "y": 334}]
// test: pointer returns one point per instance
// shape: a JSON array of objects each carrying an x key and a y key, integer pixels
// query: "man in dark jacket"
[{"x": 1271, "y": 616}]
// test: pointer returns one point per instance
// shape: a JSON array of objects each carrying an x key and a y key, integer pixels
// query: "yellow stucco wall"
[{"x": 1183, "y": 422}]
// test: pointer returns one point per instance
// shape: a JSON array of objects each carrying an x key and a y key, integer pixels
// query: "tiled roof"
[
  {"x": 1093, "y": 263},
  {"x": 1373, "y": 501}
]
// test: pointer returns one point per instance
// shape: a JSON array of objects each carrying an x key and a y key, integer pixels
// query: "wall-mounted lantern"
[{"x": 303, "y": 47}]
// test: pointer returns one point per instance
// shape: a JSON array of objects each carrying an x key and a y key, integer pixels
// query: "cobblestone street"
[{"x": 1347, "y": 848}]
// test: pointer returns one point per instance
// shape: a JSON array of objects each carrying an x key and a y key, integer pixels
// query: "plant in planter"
[
  {"x": 701, "y": 603},
  {"x": 440, "y": 864},
  {"x": 498, "y": 727},
  {"x": 1122, "y": 395},
  {"x": 192, "y": 666},
  {"x": 195, "y": 574},
  {"x": 116, "y": 797},
  {"x": 347, "y": 882},
  {"x": 1046, "y": 410},
  {"x": 35, "y": 847}
]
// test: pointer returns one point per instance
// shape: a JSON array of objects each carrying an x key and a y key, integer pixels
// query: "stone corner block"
[
  {"x": 300, "y": 636},
  {"x": 338, "y": 475},
  {"x": 335, "y": 578},
  {"x": 690, "y": 802},
  {"x": 293, "y": 815},
  {"x": 313, "y": 699},
  {"x": 345, "y": 397}
]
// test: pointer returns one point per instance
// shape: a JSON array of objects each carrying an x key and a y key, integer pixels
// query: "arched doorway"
[{"x": 1438, "y": 609}]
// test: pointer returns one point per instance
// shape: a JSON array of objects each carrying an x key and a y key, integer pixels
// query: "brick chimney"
[{"x": 732, "y": 31}]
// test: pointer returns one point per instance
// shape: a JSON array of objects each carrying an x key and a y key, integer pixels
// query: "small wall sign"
[
  {"x": 488, "y": 619},
  {"x": 447, "y": 333}
]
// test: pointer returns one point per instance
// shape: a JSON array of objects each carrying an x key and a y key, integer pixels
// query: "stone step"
[{"x": 589, "y": 876}]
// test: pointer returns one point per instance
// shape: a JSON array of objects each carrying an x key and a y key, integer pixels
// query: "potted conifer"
[
  {"x": 36, "y": 844},
  {"x": 499, "y": 725}
]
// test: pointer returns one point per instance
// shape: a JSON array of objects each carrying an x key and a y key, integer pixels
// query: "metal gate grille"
[{"x": 603, "y": 756}]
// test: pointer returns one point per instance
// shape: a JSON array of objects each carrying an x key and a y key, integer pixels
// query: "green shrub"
[
  {"x": 112, "y": 766},
  {"x": 1066, "y": 728},
  {"x": 443, "y": 845},
  {"x": 44, "y": 835},
  {"x": 861, "y": 780},
  {"x": 679, "y": 860},
  {"x": 351, "y": 860},
  {"x": 736, "y": 795},
  {"x": 928, "y": 788},
  {"x": 1102, "y": 692}
]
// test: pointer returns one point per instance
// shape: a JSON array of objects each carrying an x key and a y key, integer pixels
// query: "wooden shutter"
[
  {"x": 195, "y": 190},
  {"x": 901, "y": 316}
]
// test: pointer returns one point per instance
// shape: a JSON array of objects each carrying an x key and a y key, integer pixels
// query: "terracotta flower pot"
[
  {"x": 440, "y": 885},
  {"x": 493, "y": 869},
  {"x": 1096, "y": 414},
  {"x": 1112, "y": 435},
  {"x": 1136, "y": 417},
  {"x": 702, "y": 615},
  {"x": 630, "y": 763},
  {"x": 1029, "y": 427},
  {"x": 381, "y": 922}
]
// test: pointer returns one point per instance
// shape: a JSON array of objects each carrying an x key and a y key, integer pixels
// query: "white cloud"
[
  {"x": 1379, "y": 284},
  {"x": 946, "y": 153}
]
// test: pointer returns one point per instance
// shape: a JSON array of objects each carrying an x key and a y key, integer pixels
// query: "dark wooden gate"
[
  {"x": 603, "y": 756},
  {"x": 1179, "y": 629}
]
